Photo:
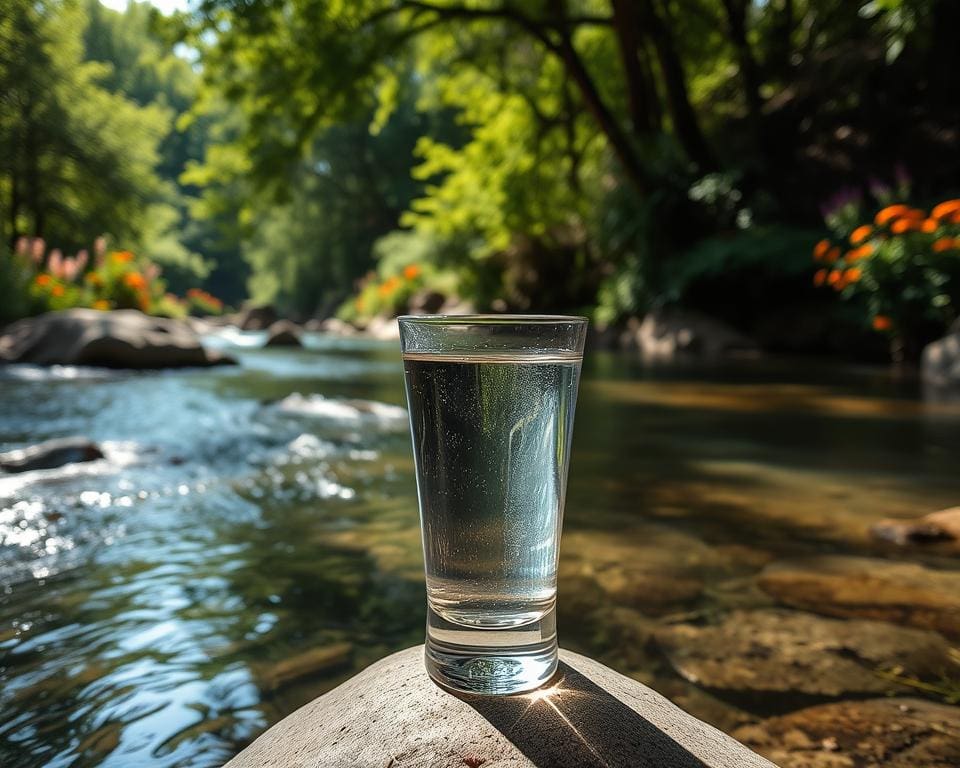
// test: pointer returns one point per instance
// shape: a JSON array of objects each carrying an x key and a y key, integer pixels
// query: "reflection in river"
[{"x": 240, "y": 550}]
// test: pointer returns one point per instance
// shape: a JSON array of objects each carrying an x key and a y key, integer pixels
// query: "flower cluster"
[
  {"x": 383, "y": 296},
  {"x": 904, "y": 263},
  {"x": 110, "y": 280},
  {"x": 200, "y": 302}
]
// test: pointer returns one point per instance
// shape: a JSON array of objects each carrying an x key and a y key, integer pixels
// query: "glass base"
[{"x": 491, "y": 661}]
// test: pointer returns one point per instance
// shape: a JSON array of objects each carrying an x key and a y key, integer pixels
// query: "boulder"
[
  {"x": 835, "y": 585},
  {"x": 337, "y": 327},
  {"x": 941, "y": 528},
  {"x": 125, "y": 338},
  {"x": 774, "y": 658},
  {"x": 426, "y": 302},
  {"x": 940, "y": 361},
  {"x": 283, "y": 333},
  {"x": 671, "y": 334},
  {"x": 50, "y": 454},
  {"x": 392, "y": 714},
  {"x": 877, "y": 733},
  {"x": 256, "y": 318}
]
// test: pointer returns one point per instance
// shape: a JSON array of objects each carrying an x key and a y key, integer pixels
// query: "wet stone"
[
  {"x": 778, "y": 658},
  {"x": 50, "y": 454},
  {"x": 940, "y": 529},
  {"x": 306, "y": 665},
  {"x": 650, "y": 568},
  {"x": 876, "y": 733},
  {"x": 902, "y": 593}
]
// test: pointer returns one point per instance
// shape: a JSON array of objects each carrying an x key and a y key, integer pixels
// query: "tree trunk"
[
  {"x": 619, "y": 142},
  {"x": 685, "y": 123},
  {"x": 749, "y": 72},
  {"x": 642, "y": 99}
]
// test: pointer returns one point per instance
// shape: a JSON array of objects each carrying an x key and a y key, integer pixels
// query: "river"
[{"x": 240, "y": 551}]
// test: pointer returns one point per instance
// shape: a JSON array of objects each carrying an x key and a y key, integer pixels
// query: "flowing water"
[{"x": 241, "y": 550}]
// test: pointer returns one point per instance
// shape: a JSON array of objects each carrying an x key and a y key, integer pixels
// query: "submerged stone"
[
  {"x": 306, "y": 665},
  {"x": 835, "y": 585},
  {"x": 940, "y": 528},
  {"x": 877, "y": 733},
  {"x": 774, "y": 658}
]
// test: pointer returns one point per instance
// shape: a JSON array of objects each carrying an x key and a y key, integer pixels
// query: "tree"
[{"x": 79, "y": 160}]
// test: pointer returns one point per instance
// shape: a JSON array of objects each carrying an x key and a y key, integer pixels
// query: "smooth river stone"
[
  {"x": 392, "y": 714},
  {"x": 902, "y": 593},
  {"x": 877, "y": 733},
  {"x": 772, "y": 658},
  {"x": 941, "y": 529}
]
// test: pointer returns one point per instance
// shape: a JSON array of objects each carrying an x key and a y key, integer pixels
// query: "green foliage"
[{"x": 82, "y": 156}]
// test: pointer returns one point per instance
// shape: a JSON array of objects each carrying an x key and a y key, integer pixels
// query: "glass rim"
[{"x": 493, "y": 319}]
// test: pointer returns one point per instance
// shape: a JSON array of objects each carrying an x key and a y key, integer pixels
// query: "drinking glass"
[{"x": 491, "y": 401}]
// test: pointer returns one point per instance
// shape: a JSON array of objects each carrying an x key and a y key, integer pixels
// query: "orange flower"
[
  {"x": 890, "y": 212},
  {"x": 832, "y": 255},
  {"x": 859, "y": 253},
  {"x": 929, "y": 226},
  {"x": 900, "y": 226},
  {"x": 820, "y": 277},
  {"x": 939, "y": 246},
  {"x": 860, "y": 234},
  {"x": 124, "y": 257},
  {"x": 102, "y": 304},
  {"x": 57, "y": 290},
  {"x": 93, "y": 278},
  {"x": 135, "y": 281},
  {"x": 820, "y": 250},
  {"x": 411, "y": 271},
  {"x": 945, "y": 208},
  {"x": 882, "y": 323},
  {"x": 852, "y": 275},
  {"x": 834, "y": 277},
  {"x": 43, "y": 280}
]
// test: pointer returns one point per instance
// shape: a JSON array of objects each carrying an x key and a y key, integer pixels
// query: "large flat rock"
[{"x": 392, "y": 715}]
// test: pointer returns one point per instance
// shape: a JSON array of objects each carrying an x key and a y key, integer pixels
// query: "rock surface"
[
  {"x": 124, "y": 338},
  {"x": 257, "y": 318},
  {"x": 392, "y": 714},
  {"x": 283, "y": 333},
  {"x": 940, "y": 363},
  {"x": 904, "y": 593},
  {"x": 941, "y": 528},
  {"x": 674, "y": 334},
  {"x": 879, "y": 733},
  {"x": 769, "y": 657},
  {"x": 306, "y": 665},
  {"x": 50, "y": 454},
  {"x": 426, "y": 302}
]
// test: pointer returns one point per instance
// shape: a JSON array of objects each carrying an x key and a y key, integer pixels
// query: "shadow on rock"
[{"x": 574, "y": 722}]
